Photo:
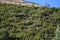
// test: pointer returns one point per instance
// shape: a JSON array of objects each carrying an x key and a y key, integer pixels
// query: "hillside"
[{"x": 18, "y": 22}]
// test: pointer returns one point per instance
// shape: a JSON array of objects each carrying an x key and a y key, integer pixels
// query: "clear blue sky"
[{"x": 52, "y": 3}]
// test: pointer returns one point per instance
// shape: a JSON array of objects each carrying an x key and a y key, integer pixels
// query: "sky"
[{"x": 52, "y": 3}]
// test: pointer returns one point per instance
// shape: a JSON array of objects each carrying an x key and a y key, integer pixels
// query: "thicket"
[{"x": 19, "y": 22}]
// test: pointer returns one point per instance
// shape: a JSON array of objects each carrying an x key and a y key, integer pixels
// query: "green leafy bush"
[{"x": 19, "y": 22}]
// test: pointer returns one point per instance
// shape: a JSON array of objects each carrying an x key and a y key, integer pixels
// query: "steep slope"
[{"x": 19, "y": 22}]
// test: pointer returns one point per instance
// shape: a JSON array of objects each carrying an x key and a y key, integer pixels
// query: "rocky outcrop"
[
  {"x": 16, "y": 1},
  {"x": 22, "y": 2}
]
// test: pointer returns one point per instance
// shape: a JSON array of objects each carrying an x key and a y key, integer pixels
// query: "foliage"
[
  {"x": 19, "y": 22},
  {"x": 57, "y": 34}
]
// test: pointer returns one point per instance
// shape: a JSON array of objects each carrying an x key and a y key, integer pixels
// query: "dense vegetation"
[{"x": 19, "y": 22}]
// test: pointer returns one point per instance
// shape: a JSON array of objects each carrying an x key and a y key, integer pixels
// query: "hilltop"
[{"x": 22, "y": 2}]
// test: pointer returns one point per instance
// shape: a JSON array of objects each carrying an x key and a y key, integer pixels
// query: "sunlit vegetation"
[{"x": 19, "y": 22}]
